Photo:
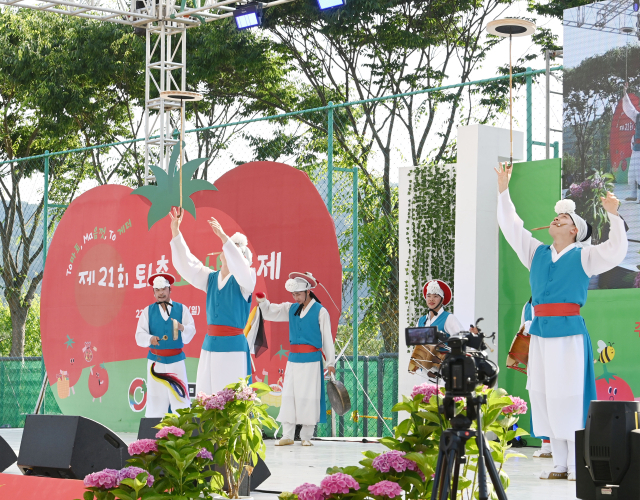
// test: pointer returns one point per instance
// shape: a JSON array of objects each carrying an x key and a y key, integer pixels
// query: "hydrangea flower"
[
  {"x": 104, "y": 479},
  {"x": 386, "y": 489},
  {"x": 246, "y": 394},
  {"x": 338, "y": 483},
  {"x": 226, "y": 395},
  {"x": 518, "y": 407},
  {"x": 427, "y": 390},
  {"x": 170, "y": 429},
  {"x": 575, "y": 190},
  {"x": 308, "y": 491},
  {"x": 132, "y": 472},
  {"x": 395, "y": 460},
  {"x": 143, "y": 446},
  {"x": 201, "y": 397},
  {"x": 204, "y": 453}
]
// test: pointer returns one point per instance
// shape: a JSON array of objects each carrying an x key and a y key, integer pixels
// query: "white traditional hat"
[
  {"x": 240, "y": 240},
  {"x": 437, "y": 287},
  {"x": 568, "y": 207},
  {"x": 300, "y": 282}
]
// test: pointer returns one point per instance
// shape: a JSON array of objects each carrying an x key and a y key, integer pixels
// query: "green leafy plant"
[
  {"x": 223, "y": 429},
  {"x": 409, "y": 464},
  {"x": 166, "y": 193}
]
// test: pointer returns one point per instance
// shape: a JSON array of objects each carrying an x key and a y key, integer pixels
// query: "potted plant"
[
  {"x": 407, "y": 468},
  {"x": 223, "y": 428}
]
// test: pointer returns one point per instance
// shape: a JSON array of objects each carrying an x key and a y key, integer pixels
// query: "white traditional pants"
[
  {"x": 634, "y": 172},
  {"x": 159, "y": 396},
  {"x": 555, "y": 381},
  {"x": 301, "y": 395},
  {"x": 216, "y": 370},
  {"x": 289, "y": 430}
]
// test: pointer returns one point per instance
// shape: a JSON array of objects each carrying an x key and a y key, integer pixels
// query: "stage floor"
[{"x": 293, "y": 465}]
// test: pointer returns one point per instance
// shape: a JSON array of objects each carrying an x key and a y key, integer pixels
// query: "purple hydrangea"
[
  {"x": 104, "y": 479},
  {"x": 518, "y": 407},
  {"x": 246, "y": 394},
  {"x": 395, "y": 460},
  {"x": 143, "y": 446},
  {"x": 132, "y": 473},
  {"x": 338, "y": 483},
  {"x": 219, "y": 400},
  {"x": 204, "y": 453},
  {"x": 308, "y": 491},
  {"x": 386, "y": 489},
  {"x": 170, "y": 429},
  {"x": 576, "y": 190},
  {"x": 427, "y": 390}
]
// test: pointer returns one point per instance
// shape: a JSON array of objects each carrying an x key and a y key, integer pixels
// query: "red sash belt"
[
  {"x": 165, "y": 353},
  {"x": 223, "y": 331},
  {"x": 560, "y": 309},
  {"x": 303, "y": 348}
]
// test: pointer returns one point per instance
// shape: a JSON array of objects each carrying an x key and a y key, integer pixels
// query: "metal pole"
[
  {"x": 330, "y": 158},
  {"x": 354, "y": 267},
  {"x": 529, "y": 117},
  {"x": 547, "y": 75},
  {"x": 45, "y": 236},
  {"x": 510, "y": 106}
]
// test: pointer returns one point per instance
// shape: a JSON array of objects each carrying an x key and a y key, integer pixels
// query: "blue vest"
[
  {"x": 563, "y": 281},
  {"x": 159, "y": 327},
  {"x": 307, "y": 331},
  {"x": 227, "y": 307},
  {"x": 439, "y": 322}
]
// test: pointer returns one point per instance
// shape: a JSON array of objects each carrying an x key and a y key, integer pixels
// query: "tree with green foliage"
[{"x": 32, "y": 342}]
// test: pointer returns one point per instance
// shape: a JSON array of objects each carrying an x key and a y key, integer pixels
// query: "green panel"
[{"x": 535, "y": 188}]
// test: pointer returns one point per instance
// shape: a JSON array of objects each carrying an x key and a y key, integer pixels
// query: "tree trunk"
[{"x": 19, "y": 313}]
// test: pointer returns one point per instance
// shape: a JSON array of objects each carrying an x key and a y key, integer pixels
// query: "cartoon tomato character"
[
  {"x": 613, "y": 388},
  {"x": 98, "y": 381}
]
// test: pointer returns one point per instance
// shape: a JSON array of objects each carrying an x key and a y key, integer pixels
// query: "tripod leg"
[
  {"x": 437, "y": 478},
  {"x": 493, "y": 474},
  {"x": 456, "y": 473}
]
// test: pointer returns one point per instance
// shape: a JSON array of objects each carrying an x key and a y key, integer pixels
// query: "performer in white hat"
[
  {"x": 303, "y": 400},
  {"x": 560, "y": 376},
  {"x": 225, "y": 357},
  {"x": 164, "y": 327},
  {"x": 437, "y": 294}
]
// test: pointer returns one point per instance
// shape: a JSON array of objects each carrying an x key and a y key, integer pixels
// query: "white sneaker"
[
  {"x": 542, "y": 454},
  {"x": 556, "y": 473}
]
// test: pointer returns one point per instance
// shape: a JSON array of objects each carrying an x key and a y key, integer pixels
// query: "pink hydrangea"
[
  {"x": 395, "y": 460},
  {"x": 518, "y": 407},
  {"x": 143, "y": 446},
  {"x": 338, "y": 483},
  {"x": 246, "y": 394},
  {"x": 308, "y": 491},
  {"x": 104, "y": 479},
  {"x": 226, "y": 395},
  {"x": 214, "y": 403},
  {"x": 132, "y": 473},
  {"x": 386, "y": 489},
  {"x": 170, "y": 429},
  {"x": 201, "y": 397},
  {"x": 427, "y": 390},
  {"x": 204, "y": 453}
]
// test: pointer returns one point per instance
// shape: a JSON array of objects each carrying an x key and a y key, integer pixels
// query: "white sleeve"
[
  {"x": 600, "y": 258},
  {"x": 143, "y": 336},
  {"x": 452, "y": 326},
  {"x": 524, "y": 308},
  {"x": 523, "y": 244},
  {"x": 187, "y": 265},
  {"x": 189, "y": 325},
  {"x": 239, "y": 267},
  {"x": 628, "y": 108},
  {"x": 275, "y": 312},
  {"x": 327, "y": 340}
]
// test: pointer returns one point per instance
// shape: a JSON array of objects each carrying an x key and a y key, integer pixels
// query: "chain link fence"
[{"x": 356, "y": 177}]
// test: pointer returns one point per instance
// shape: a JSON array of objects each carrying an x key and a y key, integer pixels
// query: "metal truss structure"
[
  {"x": 164, "y": 24},
  {"x": 611, "y": 16}
]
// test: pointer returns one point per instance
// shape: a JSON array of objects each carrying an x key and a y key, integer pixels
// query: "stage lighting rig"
[
  {"x": 248, "y": 16},
  {"x": 330, "y": 4}
]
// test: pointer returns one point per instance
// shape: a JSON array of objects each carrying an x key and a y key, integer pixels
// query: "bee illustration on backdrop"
[{"x": 606, "y": 352}]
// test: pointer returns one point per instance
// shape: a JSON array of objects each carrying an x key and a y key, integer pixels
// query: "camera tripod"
[{"x": 452, "y": 453}]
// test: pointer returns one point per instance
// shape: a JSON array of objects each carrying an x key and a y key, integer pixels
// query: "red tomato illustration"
[
  {"x": 98, "y": 381},
  {"x": 615, "y": 389}
]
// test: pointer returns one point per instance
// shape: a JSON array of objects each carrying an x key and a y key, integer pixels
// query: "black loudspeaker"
[
  {"x": 7, "y": 455},
  {"x": 606, "y": 441},
  {"x": 68, "y": 447},
  {"x": 585, "y": 487},
  {"x": 259, "y": 475},
  {"x": 146, "y": 428}
]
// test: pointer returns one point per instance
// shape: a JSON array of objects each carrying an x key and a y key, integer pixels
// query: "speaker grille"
[
  {"x": 600, "y": 451},
  {"x": 601, "y": 471}
]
